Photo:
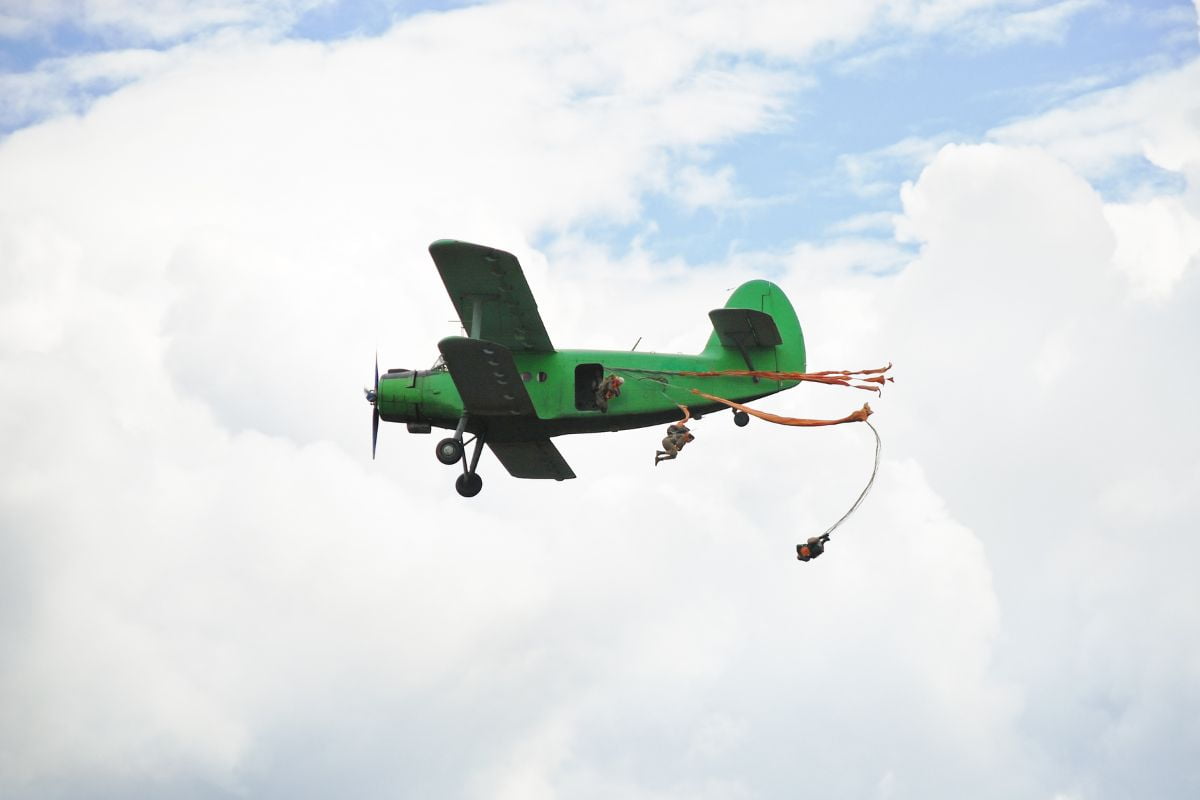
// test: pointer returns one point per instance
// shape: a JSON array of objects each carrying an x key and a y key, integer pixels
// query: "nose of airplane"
[{"x": 397, "y": 395}]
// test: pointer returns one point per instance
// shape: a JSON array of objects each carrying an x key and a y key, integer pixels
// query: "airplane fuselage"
[{"x": 561, "y": 387}]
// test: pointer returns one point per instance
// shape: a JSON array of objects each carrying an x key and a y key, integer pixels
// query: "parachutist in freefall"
[
  {"x": 814, "y": 547},
  {"x": 677, "y": 436}
]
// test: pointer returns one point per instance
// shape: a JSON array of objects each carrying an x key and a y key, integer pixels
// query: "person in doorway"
[{"x": 607, "y": 389}]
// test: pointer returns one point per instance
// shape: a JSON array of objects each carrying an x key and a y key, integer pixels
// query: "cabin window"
[
  {"x": 525, "y": 377},
  {"x": 587, "y": 380},
  {"x": 542, "y": 377}
]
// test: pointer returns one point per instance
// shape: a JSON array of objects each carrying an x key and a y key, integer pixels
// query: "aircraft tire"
[
  {"x": 741, "y": 418},
  {"x": 469, "y": 484},
  {"x": 449, "y": 451}
]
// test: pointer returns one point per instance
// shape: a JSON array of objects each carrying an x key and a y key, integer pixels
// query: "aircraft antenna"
[{"x": 635, "y": 344}]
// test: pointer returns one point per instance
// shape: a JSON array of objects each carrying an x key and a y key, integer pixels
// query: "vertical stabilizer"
[{"x": 738, "y": 339}]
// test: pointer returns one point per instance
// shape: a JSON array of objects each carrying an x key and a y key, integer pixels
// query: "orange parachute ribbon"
[
  {"x": 858, "y": 416},
  {"x": 856, "y": 379}
]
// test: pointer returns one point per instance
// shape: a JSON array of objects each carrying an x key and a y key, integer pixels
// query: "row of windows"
[{"x": 587, "y": 384}]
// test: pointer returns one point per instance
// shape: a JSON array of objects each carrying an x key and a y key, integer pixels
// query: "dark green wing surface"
[
  {"x": 486, "y": 377},
  {"x": 745, "y": 327},
  {"x": 491, "y": 295},
  {"x": 490, "y": 385},
  {"x": 535, "y": 459}
]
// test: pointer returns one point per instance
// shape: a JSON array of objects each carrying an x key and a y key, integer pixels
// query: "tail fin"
[{"x": 738, "y": 338}]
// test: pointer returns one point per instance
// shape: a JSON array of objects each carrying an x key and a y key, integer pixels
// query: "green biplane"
[{"x": 505, "y": 385}]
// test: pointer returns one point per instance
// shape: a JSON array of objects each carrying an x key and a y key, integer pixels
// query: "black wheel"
[
  {"x": 469, "y": 484},
  {"x": 449, "y": 451},
  {"x": 741, "y": 418}
]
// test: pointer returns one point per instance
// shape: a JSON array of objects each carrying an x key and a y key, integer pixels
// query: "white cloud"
[
  {"x": 148, "y": 21},
  {"x": 1101, "y": 134},
  {"x": 197, "y": 270},
  {"x": 696, "y": 188},
  {"x": 930, "y": 15},
  {"x": 1048, "y": 23},
  {"x": 865, "y": 171},
  {"x": 1157, "y": 241},
  {"x": 64, "y": 85},
  {"x": 988, "y": 23},
  {"x": 1020, "y": 261},
  {"x": 1151, "y": 118},
  {"x": 209, "y": 589}
]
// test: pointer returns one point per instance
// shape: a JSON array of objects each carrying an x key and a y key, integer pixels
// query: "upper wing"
[
  {"x": 534, "y": 459},
  {"x": 491, "y": 295},
  {"x": 486, "y": 377}
]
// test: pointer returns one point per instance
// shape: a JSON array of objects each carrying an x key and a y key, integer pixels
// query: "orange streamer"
[
  {"x": 834, "y": 377},
  {"x": 857, "y": 416}
]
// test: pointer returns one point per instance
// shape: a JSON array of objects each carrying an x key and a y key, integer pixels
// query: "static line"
[{"x": 867, "y": 488}]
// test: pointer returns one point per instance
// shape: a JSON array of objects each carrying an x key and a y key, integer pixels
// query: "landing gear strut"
[{"x": 451, "y": 451}]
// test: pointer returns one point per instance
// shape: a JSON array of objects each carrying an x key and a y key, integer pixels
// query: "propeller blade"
[
  {"x": 374, "y": 430},
  {"x": 373, "y": 396}
]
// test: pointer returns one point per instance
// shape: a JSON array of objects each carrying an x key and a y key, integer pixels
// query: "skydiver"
[
  {"x": 812, "y": 548},
  {"x": 607, "y": 389},
  {"x": 677, "y": 436}
]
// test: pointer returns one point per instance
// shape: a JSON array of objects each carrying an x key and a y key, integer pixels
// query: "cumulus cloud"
[
  {"x": 1147, "y": 123},
  {"x": 210, "y": 589},
  {"x": 1022, "y": 248},
  {"x": 1158, "y": 240},
  {"x": 206, "y": 250}
]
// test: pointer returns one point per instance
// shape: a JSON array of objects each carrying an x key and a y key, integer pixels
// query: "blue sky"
[
  {"x": 856, "y": 99},
  {"x": 941, "y": 87},
  {"x": 213, "y": 214}
]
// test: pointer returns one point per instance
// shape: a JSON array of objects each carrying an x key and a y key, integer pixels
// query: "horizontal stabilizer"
[
  {"x": 745, "y": 328},
  {"x": 536, "y": 459}
]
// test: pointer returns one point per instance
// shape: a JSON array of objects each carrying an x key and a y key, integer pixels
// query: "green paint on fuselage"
[{"x": 649, "y": 396}]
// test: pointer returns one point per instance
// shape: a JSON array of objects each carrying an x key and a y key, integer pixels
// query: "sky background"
[{"x": 212, "y": 214}]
